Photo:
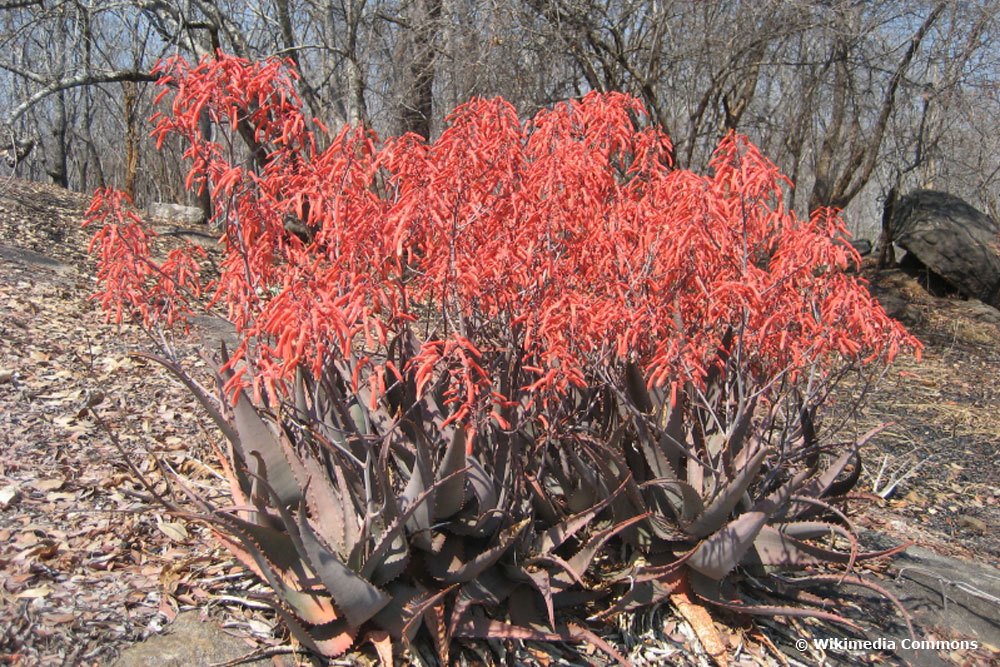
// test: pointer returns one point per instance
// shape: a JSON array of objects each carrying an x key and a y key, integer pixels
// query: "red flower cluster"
[
  {"x": 565, "y": 245},
  {"x": 157, "y": 292}
]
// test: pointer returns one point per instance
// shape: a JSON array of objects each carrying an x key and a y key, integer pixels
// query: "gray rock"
[
  {"x": 31, "y": 258},
  {"x": 188, "y": 641},
  {"x": 188, "y": 214},
  {"x": 979, "y": 311},
  {"x": 943, "y": 592},
  {"x": 948, "y": 599},
  {"x": 952, "y": 239}
]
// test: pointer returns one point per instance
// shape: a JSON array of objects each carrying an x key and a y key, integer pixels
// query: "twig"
[
  {"x": 128, "y": 461},
  {"x": 895, "y": 479},
  {"x": 942, "y": 581},
  {"x": 246, "y": 602}
]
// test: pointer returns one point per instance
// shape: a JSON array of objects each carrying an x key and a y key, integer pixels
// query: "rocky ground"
[{"x": 90, "y": 564}]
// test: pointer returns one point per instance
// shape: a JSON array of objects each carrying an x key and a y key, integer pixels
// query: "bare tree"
[{"x": 851, "y": 99}]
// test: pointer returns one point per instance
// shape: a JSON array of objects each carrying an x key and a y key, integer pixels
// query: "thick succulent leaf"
[
  {"x": 814, "y": 529},
  {"x": 542, "y": 502},
  {"x": 330, "y": 640},
  {"x": 736, "y": 438},
  {"x": 491, "y": 588},
  {"x": 394, "y": 563},
  {"x": 539, "y": 580},
  {"x": 635, "y": 387},
  {"x": 268, "y": 548},
  {"x": 715, "y": 445},
  {"x": 276, "y": 546},
  {"x": 819, "y": 506},
  {"x": 717, "y": 555},
  {"x": 480, "y": 627},
  {"x": 450, "y": 497},
  {"x": 413, "y": 612},
  {"x": 612, "y": 466},
  {"x": 776, "y": 544},
  {"x": 469, "y": 571},
  {"x": 384, "y": 546},
  {"x": 665, "y": 571},
  {"x": 841, "y": 486},
  {"x": 673, "y": 441},
  {"x": 823, "y": 484},
  {"x": 680, "y": 498},
  {"x": 709, "y": 591},
  {"x": 390, "y": 618},
  {"x": 523, "y": 608},
  {"x": 357, "y": 599},
  {"x": 772, "y": 548},
  {"x": 332, "y": 512},
  {"x": 555, "y": 536},
  {"x": 662, "y": 453},
  {"x": 657, "y": 457},
  {"x": 718, "y": 511},
  {"x": 419, "y": 485},
  {"x": 449, "y": 554},
  {"x": 300, "y": 398},
  {"x": 334, "y": 422},
  {"x": 351, "y": 522},
  {"x": 236, "y": 476},
  {"x": 434, "y": 622},
  {"x": 257, "y": 435},
  {"x": 483, "y": 486},
  {"x": 696, "y": 474},
  {"x": 233, "y": 545},
  {"x": 460, "y": 610},
  {"x": 641, "y": 595},
  {"x": 588, "y": 485},
  {"x": 367, "y": 420},
  {"x": 581, "y": 560},
  {"x": 559, "y": 580},
  {"x": 857, "y": 580}
]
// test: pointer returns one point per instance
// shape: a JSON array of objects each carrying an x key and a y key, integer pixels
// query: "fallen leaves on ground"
[{"x": 88, "y": 564}]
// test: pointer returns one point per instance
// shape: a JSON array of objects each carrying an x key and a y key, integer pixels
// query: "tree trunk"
[
  {"x": 131, "y": 96},
  {"x": 57, "y": 168},
  {"x": 205, "y": 193},
  {"x": 418, "y": 102}
]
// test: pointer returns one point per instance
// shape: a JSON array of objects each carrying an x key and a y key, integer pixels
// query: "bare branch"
[
  {"x": 18, "y": 4},
  {"x": 84, "y": 79}
]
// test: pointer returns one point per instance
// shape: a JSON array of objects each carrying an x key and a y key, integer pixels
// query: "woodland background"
[{"x": 849, "y": 98}]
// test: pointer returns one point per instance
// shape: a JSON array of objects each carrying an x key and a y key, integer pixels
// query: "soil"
[{"x": 90, "y": 564}]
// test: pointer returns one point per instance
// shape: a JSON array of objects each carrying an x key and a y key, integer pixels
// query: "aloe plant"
[
  {"x": 367, "y": 516},
  {"x": 525, "y": 374},
  {"x": 359, "y": 519}
]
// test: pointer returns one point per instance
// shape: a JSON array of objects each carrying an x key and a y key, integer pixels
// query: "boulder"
[
  {"x": 191, "y": 215},
  {"x": 952, "y": 240},
  {"x": 189, "y": 640}
]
